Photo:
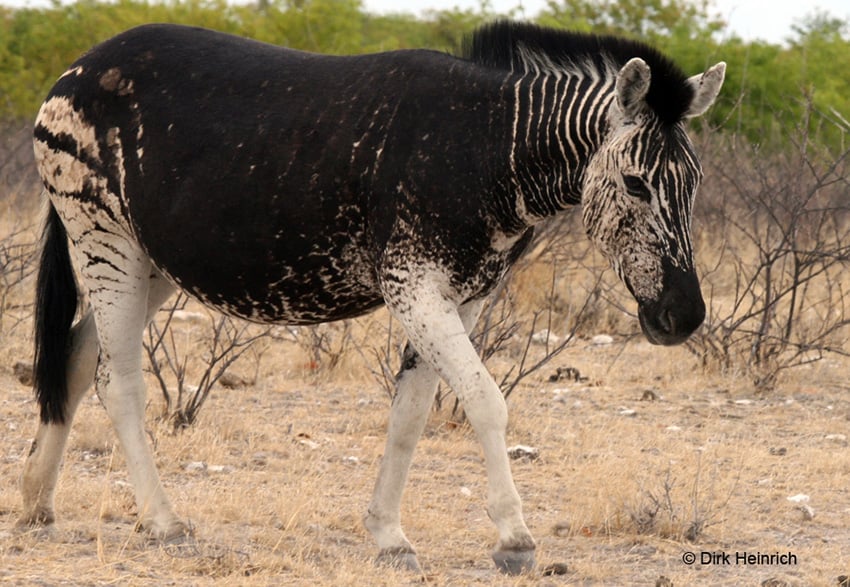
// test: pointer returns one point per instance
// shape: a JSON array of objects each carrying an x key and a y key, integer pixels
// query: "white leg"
[
  {"x": 41, "y": 470},
  {"x": 123, "y": 307},
  {"x": 436, "y": 329},
  {"x": 416, "y": 386},
  {"x": 415, "y": 389}
]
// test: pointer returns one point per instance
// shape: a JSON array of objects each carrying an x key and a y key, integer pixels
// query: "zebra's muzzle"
[{"x": 677, "y": 313}]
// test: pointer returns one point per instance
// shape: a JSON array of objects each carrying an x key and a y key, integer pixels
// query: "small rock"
[
  {"x": 233, "y": 381},
  {"x": 23, "y": 371},
  {"x": 521, "y": 451},
  {"x": 799, "y": 498},
  {"x": 568, "y": 374},
  {"x": 545, "y": 337},
  {"x": 628, "y": 412},
  {"x": 839, "y": 438},
  {"x": 260, "y": 459},
  {"x": 780, "y": 451},
  {"x": 195, "y": 467},
  {"x": 663, "y": 581},
  {"x": 648, "y": 396},
  {"x": 808, "y": 512},
  {"x": 219, "y": 469},
  {"x": 466, "y": 491},
  {"x": 774, "y": 582},
  {"x": 673, "y": 428},
  {"x": 351, "y": 460},
  {"x": 601, "y": 340},
  {"x": 555, "y": 569},
  {"x": 744, "y": 402}
]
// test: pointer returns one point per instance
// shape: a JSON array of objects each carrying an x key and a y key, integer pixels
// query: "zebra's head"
[{"x": 638, "y": 195}]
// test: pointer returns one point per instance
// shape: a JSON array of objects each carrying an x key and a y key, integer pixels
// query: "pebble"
[
  {"x": 195, "y": 467},
  {"x": 522, "y": 451},
  {"x": 545, "y": 337}
]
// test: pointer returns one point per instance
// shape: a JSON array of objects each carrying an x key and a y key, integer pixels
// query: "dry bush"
[
  {"x": 678, "y": 510},
  {"x": 774, "y": 242},
  {"x": 18, "y": 176},
  {"x": 219, "y": 342},
  {"x": 17, "y": 266},
  {"x": 18, "y": 196}
]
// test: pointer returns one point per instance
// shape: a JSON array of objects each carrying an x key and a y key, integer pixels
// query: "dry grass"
[{"x": 291, "y": 463}]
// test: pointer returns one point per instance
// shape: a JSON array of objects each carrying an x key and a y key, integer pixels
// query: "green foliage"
[{"x": 768, "y": 85}]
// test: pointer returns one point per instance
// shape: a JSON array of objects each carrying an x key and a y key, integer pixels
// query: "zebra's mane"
[{"x": 526, "y": 47}]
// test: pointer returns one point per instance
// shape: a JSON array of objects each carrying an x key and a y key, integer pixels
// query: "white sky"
[{"x": 768, "y": 20}]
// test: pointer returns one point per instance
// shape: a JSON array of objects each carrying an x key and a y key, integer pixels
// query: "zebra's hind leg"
[
  {"x": 126, "y": 292},
  {"x": 41, "y": 471}
]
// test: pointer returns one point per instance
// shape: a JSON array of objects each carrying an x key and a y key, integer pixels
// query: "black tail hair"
[{"x": 55, "y": 308}]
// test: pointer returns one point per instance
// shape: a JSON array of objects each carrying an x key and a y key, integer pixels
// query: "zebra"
[{"x": 288, "y": 187}]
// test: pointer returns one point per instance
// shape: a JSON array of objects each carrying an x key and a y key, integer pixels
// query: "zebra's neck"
[{"x": 559, "y": 120}]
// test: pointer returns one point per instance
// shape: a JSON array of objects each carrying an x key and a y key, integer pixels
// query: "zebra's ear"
[
  {"x": 632, "y": 86},
  {"x": 706, "y": 87}
]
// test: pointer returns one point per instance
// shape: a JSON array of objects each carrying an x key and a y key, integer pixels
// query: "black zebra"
[{"x": 281, "y": 186}]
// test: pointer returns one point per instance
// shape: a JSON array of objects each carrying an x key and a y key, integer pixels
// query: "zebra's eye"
[{"x": 637, "y": 188}]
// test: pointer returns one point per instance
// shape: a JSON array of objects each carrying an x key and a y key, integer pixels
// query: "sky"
[{"x": 767, "y": 20}]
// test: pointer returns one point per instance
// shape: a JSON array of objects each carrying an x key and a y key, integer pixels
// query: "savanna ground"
[{"x": 646, "y": 454}]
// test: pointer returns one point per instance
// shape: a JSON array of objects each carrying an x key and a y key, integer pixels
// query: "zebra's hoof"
[
  {"x": 401, "y": 559},
  {"x": 514, "y": 562},
  {"x": 175, "y": 533},
  {"x": 39, "y": 530}
]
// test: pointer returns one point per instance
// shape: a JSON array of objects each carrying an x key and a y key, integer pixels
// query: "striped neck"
[{"x": 559, "y": 121}]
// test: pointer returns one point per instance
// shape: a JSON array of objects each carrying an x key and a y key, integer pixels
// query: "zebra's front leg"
[
  {"x": 416, "y": 386},
  {"x": 437, "y": 330}
]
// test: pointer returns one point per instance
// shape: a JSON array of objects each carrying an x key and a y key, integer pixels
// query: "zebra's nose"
[{"x": 676, "y": 314}]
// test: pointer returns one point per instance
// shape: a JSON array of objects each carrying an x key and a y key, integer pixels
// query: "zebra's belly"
[
  {"x": 294, "y": 298},
  {"x": 297, "y": 278}
]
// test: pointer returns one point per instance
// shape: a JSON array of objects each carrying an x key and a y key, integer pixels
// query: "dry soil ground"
[{"x": 276, "y": 476}]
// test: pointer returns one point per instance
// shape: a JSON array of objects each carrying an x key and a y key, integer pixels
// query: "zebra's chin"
[{"x": 658, "y": 336}]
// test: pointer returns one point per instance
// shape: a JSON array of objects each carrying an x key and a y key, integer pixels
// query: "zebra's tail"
[{"x": 55, "y": 307}]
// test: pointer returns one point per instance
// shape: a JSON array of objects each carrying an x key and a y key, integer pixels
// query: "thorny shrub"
[{"x": 774, "y": 238}]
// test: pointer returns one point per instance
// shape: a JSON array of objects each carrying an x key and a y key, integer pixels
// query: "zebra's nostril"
[{"x": 667, "y": 321}]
